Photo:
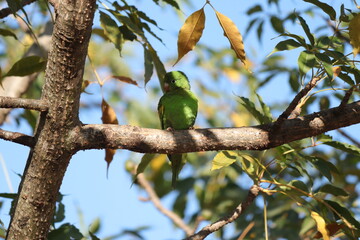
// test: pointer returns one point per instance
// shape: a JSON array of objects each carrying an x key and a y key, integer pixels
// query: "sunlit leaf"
[
  {"x": 159, "y": 66},
  {"x": 145, "y": 160},
  {"x": 286, "y": 45},
  {"x": 354, "y": 34},
  {"x": 306, "y": 61},
  {"x": 223, "y": 159},
  {"x": 27, "y": 66},
  {"x": 327, "y": 64},
  {"x": 325, "y": 7},
  {"x": 190, "y": 33},
  {"x": 336, "y": 191},
  {"x": 344, "y": 147},
  {"x": 321, "y": 225},
  {"x": 262, "y": 118},
  {"x": 65, "y": 231},
  {"x": 233, "y": 34},
  {"x": 111, "y": 30},
  {"x": 250, "y": 166}
]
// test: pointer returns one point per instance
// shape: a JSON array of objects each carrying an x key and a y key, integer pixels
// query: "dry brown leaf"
[
  {"x": 125, "y": 80},
  {"x": 190, "y": 33},
  {"x": 332, "y": 228},
  {"x": 321, "y": 225},
  {"x": 108, "y": 113},
  {"x": 108, "y": 117},
  {"x": 354, "y": 34},
  {"x": 232, "y": 33}
]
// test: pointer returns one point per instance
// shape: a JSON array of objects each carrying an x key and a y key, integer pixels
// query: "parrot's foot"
[
  {"x": 191, "y": 128},
  {"x": 170, "y": 129}
]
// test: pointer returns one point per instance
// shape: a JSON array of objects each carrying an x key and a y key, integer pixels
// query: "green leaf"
[
  {"x": 299, "y": 185},
  {"x": 260, "y": 30},
  {"x": 65, "y": 231},
  {"x": 325, "y": 167},
  {"x": 325, "y": 7},
  {"x": 336, "y": 191},
  {"x": 307, "y": 30},
  {"x": 286, "y": 45},
  {"x": 111, "y": 30},
  {"x": 93, "y": 237},
  {"x": 27, "y": 66},
  {"x": 306, "y": 61},
  {"x": 250, "y": 106},
  {"x": 344, "y": 147},
  {"x": 223, "y": 159},
  {"x": 265, "y": 110},
  {"x": 250, "y": 166},
  {"x": 7, "y": 33},
  {"x": 254, "y": 9},
  {"x": 148, "y": 65},
  {"x": 277, "y": 24},
  {"x": 344, "y": 212},
  {"x": 145, "y": 160},
  {"x": 127, "y": 34},
  {"x": 159, "y": 66},
  {"x": 300, "y": 39},
  {"x": 326, "y": 62},
  {"x": 8, "y": 195},
  {"x": 343, "y": 16}
]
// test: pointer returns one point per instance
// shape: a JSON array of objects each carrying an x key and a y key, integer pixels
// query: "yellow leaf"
[
  {"x": 233, "y": 34},
  {"x": 158, "y": 161},
  {"x": 354, "y": 34},
  {"x": 108, "y": 113},
  {"x": 190, "y": 33},
  {"x": 223, "y": 159},
  {"x": 321, "y": 225},
  {"x": 336, "y": 71}
]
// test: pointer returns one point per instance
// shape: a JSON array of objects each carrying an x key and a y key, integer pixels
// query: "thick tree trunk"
[{"x": 50, "y": 156}]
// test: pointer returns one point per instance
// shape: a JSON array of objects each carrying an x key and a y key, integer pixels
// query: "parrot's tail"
[{"x": 177, "y": 162}]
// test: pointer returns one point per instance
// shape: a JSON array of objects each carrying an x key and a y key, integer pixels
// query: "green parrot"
[{"x": 177, "y": 111}]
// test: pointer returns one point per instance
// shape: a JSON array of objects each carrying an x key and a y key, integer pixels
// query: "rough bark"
[{"x": 50, "y": 156}]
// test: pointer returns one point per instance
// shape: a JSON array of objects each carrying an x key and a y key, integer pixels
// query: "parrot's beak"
[{"x": 166, "y": 87}]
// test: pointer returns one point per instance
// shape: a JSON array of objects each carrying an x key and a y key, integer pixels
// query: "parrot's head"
[{"x": 174, "y": 80}]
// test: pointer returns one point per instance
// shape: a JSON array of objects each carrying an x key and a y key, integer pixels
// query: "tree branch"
[
  {"x": 7, "y": 11},
  {"x": 145, "y": 140},
  {"x": 203, "y": 233},
  {"x": 9, "y": 102},
  {"x": 292, "y": 110},
  {"x": 16, "y": 137},
  {"x": 157, "y": 203}
]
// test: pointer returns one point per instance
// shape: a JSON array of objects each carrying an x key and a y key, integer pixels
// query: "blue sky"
[{"x": 113, "y": 199}]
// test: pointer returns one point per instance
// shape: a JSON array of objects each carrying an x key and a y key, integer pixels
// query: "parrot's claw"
[
  {"x": 170, "y": 129},
  {"x": 191, "y": 128}
]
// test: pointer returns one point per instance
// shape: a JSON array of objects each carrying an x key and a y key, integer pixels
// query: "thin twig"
[
  {"x": 293, "y": 108},
  {"x": 9, "y": 102},
  {"x": 7, "y": 11},
  {"x": 353, "y": 140},
  {"x": 17, "y": 137},
  {"x": 203, "y": 233},
  {"x": 157, "y": 203},
  {"x": 246, "y": 230},
  {"x": 347, "y": 96}
]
